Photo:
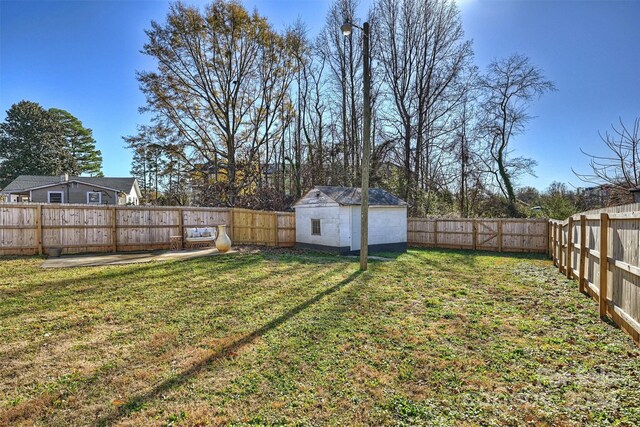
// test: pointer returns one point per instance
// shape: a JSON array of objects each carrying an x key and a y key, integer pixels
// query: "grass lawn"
[{"x": 432, "y": 338}]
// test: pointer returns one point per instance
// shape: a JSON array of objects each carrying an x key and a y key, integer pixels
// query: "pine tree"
[
  {"x": 80, "y": 143},
  {"x": 32, "y": 142}
]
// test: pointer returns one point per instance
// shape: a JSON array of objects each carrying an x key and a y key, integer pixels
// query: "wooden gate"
[
  {"x": 488, "y": 235},
  {"x": 263, "y": 228}
]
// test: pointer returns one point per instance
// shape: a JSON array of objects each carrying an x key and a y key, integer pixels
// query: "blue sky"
[{"x": 82, "y": 56}]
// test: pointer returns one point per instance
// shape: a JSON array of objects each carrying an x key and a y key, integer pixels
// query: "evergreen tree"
[
  {"x": 32, "y": 142},
  {"x": 80, "y": 143}
]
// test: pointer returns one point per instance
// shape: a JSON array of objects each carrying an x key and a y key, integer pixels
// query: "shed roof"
[
  {"x": 350, "y": 196},
  {"x": 29, "y": 182}
]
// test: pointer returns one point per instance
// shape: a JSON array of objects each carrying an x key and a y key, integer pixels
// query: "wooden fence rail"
[
  {"x": 35, "y": 228},
  {"x": 509, "y": 235},
  {"x": 601, "y": 249}
]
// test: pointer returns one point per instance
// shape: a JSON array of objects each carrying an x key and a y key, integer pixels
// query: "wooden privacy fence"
[
  {"x": 264, "y": 228},
  {"x": 34, "y": 228},
  {"x": 512, "y": 235},
  {"x": 602, "y": 251}
]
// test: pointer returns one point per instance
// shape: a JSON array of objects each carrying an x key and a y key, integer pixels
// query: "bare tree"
[
  {"x": 216, "y": 86},
  {"x": 275, "y": 73},
  {"x": 510, "y": 85},
  {"x": 621, "y": 168},
  {"x": 262, "y": 115},
  {"x": 423, "y": 53},
  {"x": 468, "y": 174},
  {"x": 343, "y": 57},
  {"x": 399, "y": 35},
  {"x": 445, "y": 56},
  {"x": 314, "y": 122}
]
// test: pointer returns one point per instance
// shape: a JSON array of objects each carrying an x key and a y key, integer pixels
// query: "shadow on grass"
[
  {"x": 95, "y": 276},
  {"x": 183, "y": 377},
  {"x": 100, "y": 279},
  {"x": 179, "y": 307}
]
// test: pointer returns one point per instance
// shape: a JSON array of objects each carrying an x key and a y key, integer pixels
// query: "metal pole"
[{"x": 366, "y": 142}]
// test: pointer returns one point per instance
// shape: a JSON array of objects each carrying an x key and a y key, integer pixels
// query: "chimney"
[
  {"x": 64, "y": 177},
  {"x": 636, "y": 194}
]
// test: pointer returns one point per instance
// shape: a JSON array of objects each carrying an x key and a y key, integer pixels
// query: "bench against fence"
[{"x": 199, "y": 236}]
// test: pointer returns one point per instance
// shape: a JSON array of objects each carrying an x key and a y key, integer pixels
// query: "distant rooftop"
[
  {"x": 353, "y": 196},
  {"x": 28, "y": 182}
]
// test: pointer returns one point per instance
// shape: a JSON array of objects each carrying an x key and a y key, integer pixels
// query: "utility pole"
[
  {"x": 366, "y": 147},
  {"x": 366, "y": 141}
]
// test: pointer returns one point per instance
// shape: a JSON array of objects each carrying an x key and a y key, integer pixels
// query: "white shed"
[{"x": 328, "y": 218}]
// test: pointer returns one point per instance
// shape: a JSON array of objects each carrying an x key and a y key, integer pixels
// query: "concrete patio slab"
[{"x": 128, "y": 258}]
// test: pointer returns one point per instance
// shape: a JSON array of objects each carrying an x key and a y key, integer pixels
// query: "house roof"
[
  {"x": 351, "y": 196},
  {"x": 30, "y": 182}
]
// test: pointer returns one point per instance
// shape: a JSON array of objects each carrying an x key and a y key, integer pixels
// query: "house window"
[
  {"x": 315, "y": 227},
  {"x": 56, "y": 197},
  {"x": 94, "y": 197}
]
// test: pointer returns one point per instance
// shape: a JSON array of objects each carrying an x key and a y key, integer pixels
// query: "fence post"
[
  {"x": 435, "y": 233},
  {"x": 275, "y": 229},
  {"x": 39, "y": 228},
  {"x": 552, "y": 241},
  {"x": 233, "y": 224},
  {"x": 558, "y": 245},
  {"x": 604, "y": 243},
  {"x": 583, "y": 251},
  {"x": 499, "y": 235},
  {"x": 549, "y": 240},
  {"x": 560, "y": 250},
  {"x": 114, "y": 230},
  {"x": 254, "y": 230},
  {"x": 474, "y": 237},
  {"x": 555, "y": 243},
  {"x": 570, "y": 248}
]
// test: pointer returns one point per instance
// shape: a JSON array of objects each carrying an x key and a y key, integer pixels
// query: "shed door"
[{"x": 355, "y": 228}]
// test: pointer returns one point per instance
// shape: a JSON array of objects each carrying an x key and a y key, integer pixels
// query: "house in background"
[
  {"x": 607, "y": 195},
  {"x": 328, "y": 218},
  {"x": 73, "y": 189}
]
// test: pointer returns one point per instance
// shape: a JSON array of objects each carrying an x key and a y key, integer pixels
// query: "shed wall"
[
  {"x": 387, "y": 225},
  {"x": 340, "y": 227},
  {"x": 345, "y": 226},
  {"x": 329, "y": 217}
]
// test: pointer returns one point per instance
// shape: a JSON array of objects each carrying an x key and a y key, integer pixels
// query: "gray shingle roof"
[
  {"x": 28, "y": 182},
  {"x": 353, "y": 196}
]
